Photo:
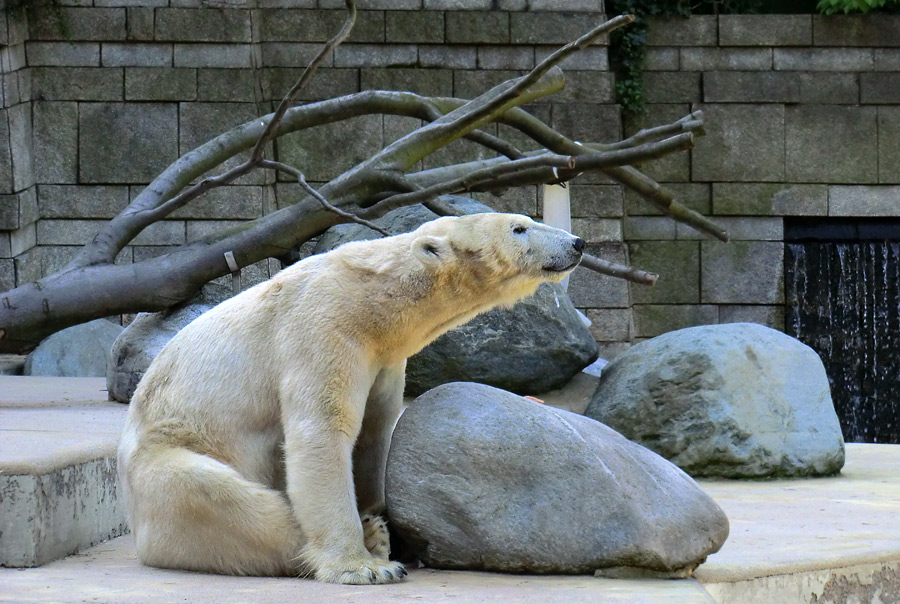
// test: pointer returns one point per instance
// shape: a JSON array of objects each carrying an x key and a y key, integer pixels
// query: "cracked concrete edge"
[{"x": 872, "y": 582}]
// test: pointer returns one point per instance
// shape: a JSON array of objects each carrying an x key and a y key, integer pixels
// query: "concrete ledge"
[{"x": 58, "y": 485}]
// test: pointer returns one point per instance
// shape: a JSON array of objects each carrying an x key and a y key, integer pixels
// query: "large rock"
[
  {"x": 537, "y": 345},
  {"x": 479, "y": 478},
  {"x": 738, "y": 401},
  {"x": 138, "y": 345},
  {"x": 79, "y": 351}
]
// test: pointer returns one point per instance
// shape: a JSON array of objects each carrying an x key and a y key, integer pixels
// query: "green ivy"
[{"x": 830, "y": 7}]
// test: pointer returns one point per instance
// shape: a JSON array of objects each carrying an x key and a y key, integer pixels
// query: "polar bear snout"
[{"x": 578, "y": 244}]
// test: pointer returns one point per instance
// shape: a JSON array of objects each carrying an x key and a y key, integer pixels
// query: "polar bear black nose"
[{"x": 578, "y": 244}]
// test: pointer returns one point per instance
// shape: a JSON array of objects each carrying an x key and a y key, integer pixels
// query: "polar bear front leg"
[{"x": 318, "y": 447}]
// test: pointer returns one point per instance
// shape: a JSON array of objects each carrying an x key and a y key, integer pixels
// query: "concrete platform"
[{"x": 812, "y": 541}]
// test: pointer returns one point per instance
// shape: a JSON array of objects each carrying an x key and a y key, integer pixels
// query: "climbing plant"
[{"x": 830, "y": 7}]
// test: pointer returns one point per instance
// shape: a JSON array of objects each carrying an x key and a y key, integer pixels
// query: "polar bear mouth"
[{"x": 562, "y": 269}]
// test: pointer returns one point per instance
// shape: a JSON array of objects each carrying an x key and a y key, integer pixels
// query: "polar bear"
[{"x": 256, "y": 442}]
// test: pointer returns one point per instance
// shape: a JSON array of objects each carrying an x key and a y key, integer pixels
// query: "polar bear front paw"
[
  {"x": 376, "y": 536},
  {"x": 370, "y": 573}
]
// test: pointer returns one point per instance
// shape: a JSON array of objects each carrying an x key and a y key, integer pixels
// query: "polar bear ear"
[{"x": 432, "y": 251}]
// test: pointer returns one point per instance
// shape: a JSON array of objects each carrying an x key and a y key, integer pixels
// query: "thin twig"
[{"x": 301, "y": 180}]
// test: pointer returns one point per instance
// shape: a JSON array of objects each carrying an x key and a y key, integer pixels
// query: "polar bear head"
[{"x": 506, "y": 251}]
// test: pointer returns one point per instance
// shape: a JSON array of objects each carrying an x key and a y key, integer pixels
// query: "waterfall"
[{"x": 843, "y": 301}]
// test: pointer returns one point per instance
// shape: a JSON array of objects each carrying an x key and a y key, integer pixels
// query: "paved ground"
[{"x": 820, "y": 540}]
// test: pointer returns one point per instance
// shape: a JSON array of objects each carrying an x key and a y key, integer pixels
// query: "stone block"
[
  {"x": 213, "y": 55},
  {"x": 594, "y": 58},
  {"x": 743, "y": 228},
  {"x": 459, "y": 151},
  {"x": 765, "y": 30},
  {"x": 678, "y": 265},
  {"x": 9, "y": 89},
  {"x": 78, "y": 83},
  {"x": 202, "y": 25},
  {"x": 55, "y": 141},
  {"x": 470, "y": 84},
  {"x": 324, "y": 152},
  {"x": 743, "y": 143},
  {"x": 588, "y": 289},
  {"x": 139, "y": 22},
  {"x": 671, "y": 168},
  {"x": 458, "y": 5},
  {"x": 856, "y": 30},
  {"x": 225, "y": 203},
  {"x": 220, "y": 85},
  {"x": 18, "y": 209},
  {"x": 201, "y": 122},
  {"x": 860, "y": 200},
  {"x": 887, "y": 59},
  {"x": 23, "y": 77},
  {"x": 888, "y": 144},
  {"x": 129, "y": 3},
  {"x": 588, "y": 122},
  {"x": 515, "y": 200},
  {"x": 9, "y": 214},
  {"x": 327, "y": 84},
  {"x": 161, "y": 84},
  {"x": 28, "y": 206},
  {"x": 699, "y": 30},
  {"x": 148, "y": 131},
  {"x": 427, "y": 82},
  {"x": 548, "y": 28},
  {"x": 6, "y": 167},
  {"x": 823, "y": 59},
  {"x": 63, "y": 54},
  {"x": 662, "y": 59},
  {"x": 592, "y": 86},
  {"x": 20, "y": 142},
  {"x": 829, "y": 88},
  {"x": 447, "y": 57},
  {"x": 361, "y": 5},
  {"x": 77, "y": 23},
  {"x": 81, "y": 201},
  {"x": 375, "y": 55},
  {"x": 596, "y": 201},
  {"x": 879, "y": 88},
  {"x": 672, "y": 87},
  {"x": 505, "y": 57},
  {"x": 769, "y": 199},
  {"x": 610, "y": 324},
  {"x": 651, "y": 320},
  {"x": 319, "y": 25},
  {"x": 5, "y": 251},
  {"x": 831, "y": 144},
  {"x": 751, "y": 87},
  {"x": 284, "y": 54},
  {"x": 649, "y": 228},
  {"x": 13, "y": 58},
  {"x": 7, "y": 274},
  {"x": 133, "y": 54},
  {"x": 726, "y": 59},
  {"x": 28, "y": 267},
  {"x": 198, "y": 230},
  {"x": 477, "y": 27},
  {"x": 598, "y": 230},
  {"x": 67, "y": 232},
  {"x": 414, "y": 27},
  {"x": 770, "y": 316},
  {"x": 742, "y": 272},
  {"x": 695, "y": 196},
  {"x": 22, "y": 240}
]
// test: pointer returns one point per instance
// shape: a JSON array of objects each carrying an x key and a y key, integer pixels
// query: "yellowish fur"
[{"x": 256, "y": 442}]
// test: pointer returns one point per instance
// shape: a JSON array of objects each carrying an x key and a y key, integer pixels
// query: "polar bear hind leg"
[{"x": 193, "y": 512}]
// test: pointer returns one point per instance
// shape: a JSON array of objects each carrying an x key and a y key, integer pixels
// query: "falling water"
[{"x": 843, "y": 300}]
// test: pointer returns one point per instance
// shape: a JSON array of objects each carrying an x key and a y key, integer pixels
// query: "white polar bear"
[{"x": 259, "y": 435}]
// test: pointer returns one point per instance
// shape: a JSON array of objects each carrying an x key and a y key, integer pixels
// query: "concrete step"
[
  {"x": 58, "y": 486},
  {"x": 816, "y": 540}
]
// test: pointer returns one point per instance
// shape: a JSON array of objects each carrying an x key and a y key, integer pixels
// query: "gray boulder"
[
  {"x": 738, "y": 401},
  {"x": 79, "y": 351},
  {"x": 482, "y": 479},
  {"x": 537, "y": 345},
  {"x": 138, "y": 345}
]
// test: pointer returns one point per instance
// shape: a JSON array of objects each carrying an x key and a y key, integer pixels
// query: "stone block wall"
[{"x": 801, "y": 115}]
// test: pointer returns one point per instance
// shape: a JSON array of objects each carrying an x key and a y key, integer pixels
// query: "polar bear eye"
[{"x": 519, "y": 229}]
